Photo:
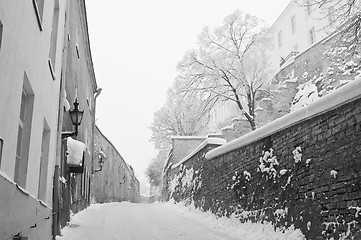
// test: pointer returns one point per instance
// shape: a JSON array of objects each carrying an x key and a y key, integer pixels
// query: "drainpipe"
[{"x": 96, "y": 95}]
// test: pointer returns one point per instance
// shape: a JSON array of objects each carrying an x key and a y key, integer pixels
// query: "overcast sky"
[{"x": 135, "y": 46}]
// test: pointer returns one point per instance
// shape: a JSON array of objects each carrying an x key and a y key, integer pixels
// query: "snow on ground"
[{"x": 163, "y": 221}]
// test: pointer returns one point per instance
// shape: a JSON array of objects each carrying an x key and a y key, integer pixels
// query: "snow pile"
[
  {"x": 307, "y": 93},
  {"x": 188, "y": 178},
  {"x": 235, "y": 228},
  {"x": 75, "y": 151}
]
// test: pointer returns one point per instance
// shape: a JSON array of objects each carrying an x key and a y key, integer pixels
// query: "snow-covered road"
[{"x": 128, "y": 221}]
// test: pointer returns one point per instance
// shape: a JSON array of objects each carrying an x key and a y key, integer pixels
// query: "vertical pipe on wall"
[{"x": 57, "y": 170}]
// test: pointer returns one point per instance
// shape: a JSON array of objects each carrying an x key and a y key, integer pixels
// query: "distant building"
[
  {"x": 298, "y": 27},
  {"x": 181, "y": 147}
]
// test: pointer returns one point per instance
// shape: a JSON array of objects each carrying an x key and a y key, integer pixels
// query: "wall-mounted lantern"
[
  {"x": 102, "y": 157},
  {"x": 76, "y": 117}
]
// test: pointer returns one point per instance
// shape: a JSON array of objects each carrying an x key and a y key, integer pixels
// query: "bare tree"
[
  {"x": 344, "y": 18},
  {"x": 230, "y": 64},
  {"x": 155, "y": 167},
  {"x": 181, "y": 115}
]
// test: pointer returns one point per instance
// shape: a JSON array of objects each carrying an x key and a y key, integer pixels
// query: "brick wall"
[{"x": 307, "y": 174}]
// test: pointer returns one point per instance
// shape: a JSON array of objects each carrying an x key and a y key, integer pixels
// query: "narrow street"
[
  {"x": 128, "y": 221},
  {"x": 164, "y": 221}
]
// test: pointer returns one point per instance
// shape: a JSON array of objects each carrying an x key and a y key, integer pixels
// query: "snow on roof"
[
  {"x": 218, "y": 141},
  {"x": 341, "y": 96},
  {"x": 188, "y": 137},
  {"x": 75, "y": 151}
]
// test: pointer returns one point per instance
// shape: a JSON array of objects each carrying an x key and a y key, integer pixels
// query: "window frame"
[
  {"x": 24, "y": 137},
  {"x": 39, "y": 12},
  {"x": 293, "y": 24},
  {"x": 312, "y": 35},
  {"x": 54, "y": 39}
]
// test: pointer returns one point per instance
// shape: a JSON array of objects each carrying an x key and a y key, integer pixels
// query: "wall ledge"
[
  {"x": 216, "y": 141},
  {"x": 22, "y": 190},
  {"x": 339, "y": 97}
]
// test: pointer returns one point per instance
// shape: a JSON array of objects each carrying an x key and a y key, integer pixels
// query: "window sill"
[
  {"x": 22, "y": 190},
  {"x": 37, "y": 15},
  {"x": 51, "y": 70},
  {"x": 43, "y": 203}
]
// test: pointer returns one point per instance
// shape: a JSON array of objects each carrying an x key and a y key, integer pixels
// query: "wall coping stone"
[
  {"x": 335, "y": 99},
  {"x": 216, "y": 141},
  {"x": 188, "y": 137}
]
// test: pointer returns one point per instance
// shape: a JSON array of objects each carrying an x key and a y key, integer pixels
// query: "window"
[
  {"x": 280, "y": 40},
  {"x": 76, "y": 43},
  {"x": 331, "y": 15},
  {"x": 312, "y": 35},
  {"x": 39, "y": 9},
  {"x": 54, "y": 38},
  {"x": 24, "y": 132},
  {"x": 1, "y": 33},
  {"x": 44, "y": 160},
  {"x": 293, "y": 24}
]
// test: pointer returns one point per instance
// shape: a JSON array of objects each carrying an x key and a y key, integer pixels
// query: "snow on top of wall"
[
  {"x": 307, "y": 93},
  {"x": 218, "y": 141},
  {"x": 343, "y": 95},
  {"x": 188, "y": 137}
]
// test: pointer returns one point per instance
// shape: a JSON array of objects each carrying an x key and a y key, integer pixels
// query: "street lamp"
[
  {"x": 76, "y": 116},
  {"x": 101, "y": 161}
]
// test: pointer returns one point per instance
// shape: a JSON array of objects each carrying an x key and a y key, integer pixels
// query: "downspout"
[
  {"x": 56, "y": 184},
  {"x": 96, "y": 95}
]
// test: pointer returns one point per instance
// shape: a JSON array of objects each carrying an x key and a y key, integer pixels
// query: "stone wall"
[
  {"x": 303, "y": 169},
  {"x": 115, "y": 181}
]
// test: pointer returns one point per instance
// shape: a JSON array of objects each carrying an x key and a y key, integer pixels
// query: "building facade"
[
  {"x": 72, "y": 180},
  {"x": 114, "y": 180},
  {"x": 45, "y": 67},
  {"x": 298, "y": 27},
  {"x": 31, "y": 36}
]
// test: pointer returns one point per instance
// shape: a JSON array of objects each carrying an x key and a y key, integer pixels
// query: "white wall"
[
  {"x": 303, "y": 23},
  {"x": 25, "y": 48}
]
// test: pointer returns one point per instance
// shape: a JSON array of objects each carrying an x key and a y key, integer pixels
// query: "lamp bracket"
[{"x": 68, "y": 134}]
